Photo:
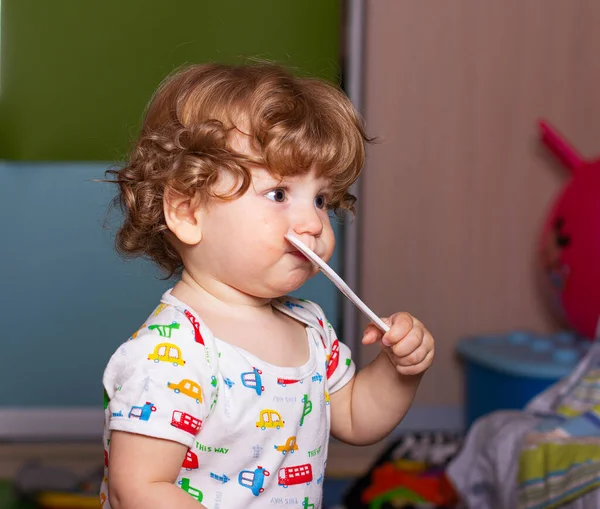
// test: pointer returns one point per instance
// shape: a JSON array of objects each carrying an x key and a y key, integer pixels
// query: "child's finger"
[
  {"x": 414, "y": 357},
  {"x": 415, "y": 369},
  {"x": 371, "y": 335},
  {"x": 409, "y": 343},
  {"x": 400, "y": 325}
]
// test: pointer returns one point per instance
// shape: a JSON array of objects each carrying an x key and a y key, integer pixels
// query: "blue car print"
[{"x": 254, "y": 479}]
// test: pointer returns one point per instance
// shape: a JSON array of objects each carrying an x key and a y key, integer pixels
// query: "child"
[{"x": 229, "y": 391}]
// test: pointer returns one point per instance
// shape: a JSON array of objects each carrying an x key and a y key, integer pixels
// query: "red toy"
[{"x": 570, "y": 243}]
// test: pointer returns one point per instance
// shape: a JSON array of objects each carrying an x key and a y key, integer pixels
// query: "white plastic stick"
[{"x": 337, "y": 281}]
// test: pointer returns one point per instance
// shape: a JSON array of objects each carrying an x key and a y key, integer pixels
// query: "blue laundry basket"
[{"x": 505, "y": 371}]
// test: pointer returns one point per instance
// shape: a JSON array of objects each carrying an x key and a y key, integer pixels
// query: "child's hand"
[{"x": 408, "y": 343}]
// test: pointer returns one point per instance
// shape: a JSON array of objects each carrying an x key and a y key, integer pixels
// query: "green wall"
[{"x": 76, "y": 75}]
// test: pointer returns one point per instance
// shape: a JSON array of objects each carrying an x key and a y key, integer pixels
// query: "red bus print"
[
  {"x": 286, "y": 381},
  {"x": 186, "y": 422},
  {"x": 191, "y": 461},
  {"x": 289, "y": 476},
  {"x": 334, "y": 358},
  {"x": 196, "y": 324}
]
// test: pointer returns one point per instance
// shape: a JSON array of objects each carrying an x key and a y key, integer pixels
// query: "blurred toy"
[
  {"x": 570, "y": 243},
  {"x": 49, "y": 486},
  {"x": 409, "y": 474}
]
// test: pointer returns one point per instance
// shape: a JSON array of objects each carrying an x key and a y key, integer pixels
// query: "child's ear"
[{"x": 183, "y": 216}]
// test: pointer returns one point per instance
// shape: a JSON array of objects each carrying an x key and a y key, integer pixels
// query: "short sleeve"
[
  {"x": 340, "y": 366},
  {"x": 161, "y": 382}
]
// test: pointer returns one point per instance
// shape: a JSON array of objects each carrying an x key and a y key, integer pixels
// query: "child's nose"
[{"x": 308, "y": 222}]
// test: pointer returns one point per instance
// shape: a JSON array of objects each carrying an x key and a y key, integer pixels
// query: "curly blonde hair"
[{"x": 296, "y": 124}]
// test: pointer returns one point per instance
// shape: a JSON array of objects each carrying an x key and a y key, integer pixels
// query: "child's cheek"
[{"x": 273, "y": 230}]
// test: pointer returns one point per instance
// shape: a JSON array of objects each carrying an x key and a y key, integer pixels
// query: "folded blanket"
[{"x": 555, "y": 469}]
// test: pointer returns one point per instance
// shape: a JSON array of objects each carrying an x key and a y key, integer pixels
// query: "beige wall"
[{"x": 455, "y": 193}]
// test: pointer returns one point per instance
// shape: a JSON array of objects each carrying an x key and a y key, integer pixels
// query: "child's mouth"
[{"x": 298, "y": 254}]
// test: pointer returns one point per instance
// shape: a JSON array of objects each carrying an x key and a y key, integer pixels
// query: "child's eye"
[
  {"x": 277, "y": 195},
  {"x": 321, "y": 202}
]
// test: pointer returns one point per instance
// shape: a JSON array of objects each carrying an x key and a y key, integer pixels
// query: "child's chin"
[{"x": 295, "y": 284}]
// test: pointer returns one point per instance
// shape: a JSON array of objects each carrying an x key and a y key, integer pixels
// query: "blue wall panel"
[{"x": 67, "y": 299}]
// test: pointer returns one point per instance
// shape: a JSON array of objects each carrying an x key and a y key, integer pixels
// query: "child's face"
[{"x": 243, "y": 244}]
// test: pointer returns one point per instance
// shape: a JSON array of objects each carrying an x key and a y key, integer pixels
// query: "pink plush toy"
[{"x": 570, "y": 243}]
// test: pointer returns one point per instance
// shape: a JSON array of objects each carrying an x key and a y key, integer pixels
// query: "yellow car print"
[
  {"x": 270, "y": 419},
  {"x": 289, "y": 446},
  {"x": 188, "y": 388},
  {"x": 167, "y": 352}
]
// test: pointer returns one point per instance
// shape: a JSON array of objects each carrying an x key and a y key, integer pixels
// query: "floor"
[
  {"x": 344, "y": 463},
  {"x": 333, "y": 490}
]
